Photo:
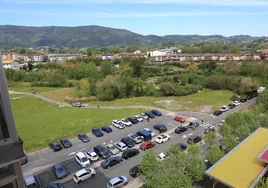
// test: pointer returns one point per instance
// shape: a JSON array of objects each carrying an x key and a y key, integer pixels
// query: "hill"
[{"x": 83, "y": 36}]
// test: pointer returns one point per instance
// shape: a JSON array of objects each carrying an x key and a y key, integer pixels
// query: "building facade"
[
  {"x": 11, "y": 146},
  {"x": 11, "y": 64}
]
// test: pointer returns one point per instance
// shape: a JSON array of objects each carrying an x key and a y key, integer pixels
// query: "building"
[
  {"x": 8, "y": 55},
  {"x": 244, "y": 165},
  {"x": 62, "y": 57},
  {"x": 11, "y": 146},
  {"x": 11, "y": 64}
]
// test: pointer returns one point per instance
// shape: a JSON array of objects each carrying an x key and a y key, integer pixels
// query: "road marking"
[{"x": 71, "y": 153}]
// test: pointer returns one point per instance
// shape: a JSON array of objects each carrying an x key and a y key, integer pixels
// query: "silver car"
[
  {"x": 137, "y": 139},
  {"x": 121, "y": 146},
  {"x": 112, "y": 149}
]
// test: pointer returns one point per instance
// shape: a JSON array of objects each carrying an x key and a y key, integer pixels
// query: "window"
[
  {"x": 6, "y": 171},
  {"x": 3, "y": 124}
]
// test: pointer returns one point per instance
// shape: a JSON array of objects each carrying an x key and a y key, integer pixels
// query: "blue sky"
[{"x": 160, "y": 17}]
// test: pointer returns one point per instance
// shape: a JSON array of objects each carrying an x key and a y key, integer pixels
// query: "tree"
[
  {"x": 235, "y": 120},
  {"x": 263, "y": 99},
  {"x": 106, "y": 68},
  {"x": 211, "y": 138},
  {"x": 194, "y": 150},
  {"x": 242, "y": 132},
  {"x": 30, "y": 66},
  {"x": 214, "y": 154},
  {"x": 229, "y": 142},
  {"x": 263, "y": 183},
  {"x": 149, "y": 165},
  {"x": 89, "y": 51},
  {"x": 225, "y": 129},
  {"x": 132, "y": 48},
  {"x": 108, "y": 89},
  {"x": 136, "y": 64},
  {"x": 195, "y": 168},
  {"x": 57, "y": 80},
  {"x": 167, "y": 88},
  {"x": 84, "y": 86}
]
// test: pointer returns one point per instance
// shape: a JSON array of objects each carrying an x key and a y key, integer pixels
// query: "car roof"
[
  {"x": 58, "y": 165},
  {"x": 114, "y": 180},
  {"x": 110, "y": 145},
  {"x": 162, "y": 155},
  {"x": 193, "y": 137},
  {"x": 80, "y": 172},
  {"x": 29, "y": 180},
  {"x": 120, "y": 143},
  {"x": 96, "y": 128},
  {"x": 80, "y": 154}
]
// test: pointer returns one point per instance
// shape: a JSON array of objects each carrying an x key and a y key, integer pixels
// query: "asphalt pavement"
[{"x": 40, "y": 162}]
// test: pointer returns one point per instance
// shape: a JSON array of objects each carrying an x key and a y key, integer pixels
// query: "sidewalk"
[{"x": 136, "y": 183}]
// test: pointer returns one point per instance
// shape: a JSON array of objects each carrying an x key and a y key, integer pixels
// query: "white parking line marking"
[{"x": 71, "y": 153}]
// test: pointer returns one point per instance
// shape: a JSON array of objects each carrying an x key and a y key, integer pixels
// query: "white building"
[
  {"x": 11, "y": 64},
  {"x": 62, "y": 57},
  {"x": 164, "y": 52}
]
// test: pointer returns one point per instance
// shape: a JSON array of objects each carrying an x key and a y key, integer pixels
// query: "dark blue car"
[
  {"x": 111, "y": 161},
  {"x": 59, "y": 171},
  {"x": 55, "y": 185},
  {"x": 156, "y": 112},
  {"x": 97, "y": 132},
  {"x": 83, "y": 137},
  {"x": 107, "y": 129}
]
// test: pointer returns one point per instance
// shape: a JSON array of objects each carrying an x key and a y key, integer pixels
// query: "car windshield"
[
  {"x": 84, "y": 159},
  {"x": 112, "y": 147}
]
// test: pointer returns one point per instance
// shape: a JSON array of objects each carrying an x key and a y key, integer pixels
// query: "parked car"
[
  {"x": 182, "y": 146},
  {"x": 83, "y": 137},
  {"x": 111, "y": 161},
  {"x": 55, "y": 185},
  {"x": 156, "y": 112},
  {"x": 237, "y": 103},
  {"x": 134, "y": 171},
  {"x": 119, "y": 181},
  {"x": 149, "y": 131},
  {"x": 133, "y": 120},
  {"x": 139, "y": 118},
  {"x": 162, "y": 138},
  {"x": 149, "y": 114},
  {"x": 242, "y": 100},
  {"x": 222, "y": 122},
  {"x": 83, "y": 175},
  {"x": 145, "y": 117},
  {"x": 55, "y": 146},
  {"x": 194, "y": 139},
  {"x": 77, "y": 104},
  {"x": 102, "y": 151},
  {"x": 126, "y": 122},
  {"x": 59, "y": 171},
  {"x": 129, "y": 153},
  {"x": 30, "y": 181},
  {"x": 120, "y": 145},
  {"x": 92, "y": 155},
  {"x": 112, "y": 149},
  {"x": 209, "y": 129},
  {"x": 231, "y": 105},
  {"x": 217, "y": 113},
  {"x": 160, "y": 127},
  {"x": 118, "y": 124},
  {"x": 193, "y": 125},
  {"x": 179, "y": 119},
  {"x": 180, "y": 129},
  {"x": 82, "y": 159},
  {"x": 65, "y": 143},
  {"x": 147, "y": 145},
  {"x": 136, "y": 138},
  {"x": 130, "y": 143},
  {"x": 107, "y": 129},
  {"x": 97, "y": 132},
  {"x": 224, "y": 108}
]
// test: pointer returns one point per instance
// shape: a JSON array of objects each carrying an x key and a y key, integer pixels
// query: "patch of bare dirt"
[{"x": 205, "y": 109}]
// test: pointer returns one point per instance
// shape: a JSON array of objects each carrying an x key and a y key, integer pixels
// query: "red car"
[
  {"x": 24, "y": 160},
  {"x": 231, "y": 105},
  {"x": 179, "y": 119},
  {"x": 147, "y": 145}
]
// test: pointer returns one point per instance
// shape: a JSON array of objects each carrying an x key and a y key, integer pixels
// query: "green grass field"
[
  {"x": 31, "y": 89},
  {"x": 39, "y": 122},
  {"x": 204, "y": 101}
]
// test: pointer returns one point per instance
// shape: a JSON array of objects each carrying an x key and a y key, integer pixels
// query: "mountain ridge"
[{"x": 82, "y": 36}]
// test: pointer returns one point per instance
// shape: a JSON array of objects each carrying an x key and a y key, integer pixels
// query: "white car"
[
  {"x": 83, "y": 174},
  {"x": 121, "y": 146},
  {"x": 139, "y": 118},
  {"x": 135, "y": 138},
  {"x": 82, "y": 159},
  {"x": 162, "y": 156},
  {"x": 236, "y": 103},
  {"x": 149, "y": 131},
  {"x": 126, "y": 122},
  {"x": 118, "y": 124},
  {"x": 112, "y": 149},
  {"x": 92, "y": 155},
  {"x": 162, "y": 138},
  {"x": 145, "y": 117},
  {"x": 224, "y": 108}
]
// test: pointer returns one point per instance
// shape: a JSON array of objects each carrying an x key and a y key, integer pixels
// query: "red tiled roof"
[{"x": 263, "y": 156}]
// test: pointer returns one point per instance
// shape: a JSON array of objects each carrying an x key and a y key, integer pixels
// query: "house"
[
  {"x": 11, "y": 64},
  {"x": 62, "y": 57},
  {"x": 9, "y": 55}
]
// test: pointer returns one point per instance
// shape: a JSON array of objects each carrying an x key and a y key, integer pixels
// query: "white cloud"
[{"x": 200, "y": 2}]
